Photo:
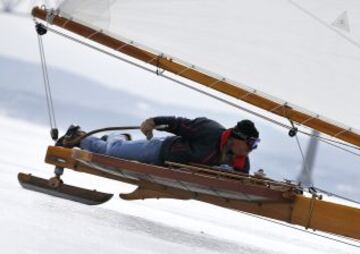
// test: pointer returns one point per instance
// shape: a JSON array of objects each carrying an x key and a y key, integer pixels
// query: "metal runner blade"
[{"x": 73, "y": 193}]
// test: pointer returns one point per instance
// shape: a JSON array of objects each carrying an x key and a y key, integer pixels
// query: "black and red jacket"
[{"x": 199, "y": 141}]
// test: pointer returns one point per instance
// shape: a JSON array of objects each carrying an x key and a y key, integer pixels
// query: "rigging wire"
[
  {"x": 323, "y": 139},
  {"x": 307, "y": 231},
  {"x": 335, "y": 195},
  {"x": 328, "y": 141},
  {"x": 302, "y": 153},
  {"x": 314, "y": 187},
  {"x": 49, "y": 100},
  {"x": 262, "y": 116}
]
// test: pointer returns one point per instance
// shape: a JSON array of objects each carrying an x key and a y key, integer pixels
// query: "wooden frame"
[{"x": 290, "y": 207}]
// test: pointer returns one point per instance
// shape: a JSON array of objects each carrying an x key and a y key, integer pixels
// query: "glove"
[
  {"x": 147, "y": 128},
  {"x": 73, "y": 133}
]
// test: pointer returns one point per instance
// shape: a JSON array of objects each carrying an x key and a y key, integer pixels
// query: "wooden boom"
[
  {"x": 192, "y": 73},
  {"x": 269, "y": 198}
]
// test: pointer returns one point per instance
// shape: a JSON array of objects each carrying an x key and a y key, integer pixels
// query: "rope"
[
  {"x": 77, "y": 140},
  {"x": 99, "y": 49},
  {"x": 117, "y": 128},
  {"x": 49, "y": 101},
  {"x": 308, "y": 170},
  {"x": 278, "y": 123},
  {"x": 329, "y": 139},
  {"x": 170, "y": 78},
  {"x": 302, "y": 153},
  {"x": 331, "y": 143},
  {"x": 311, "y": 209},
  {"x": 336, "y": 195}
]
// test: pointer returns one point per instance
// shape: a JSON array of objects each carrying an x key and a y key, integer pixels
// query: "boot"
[{"x": 73, "y": 132}]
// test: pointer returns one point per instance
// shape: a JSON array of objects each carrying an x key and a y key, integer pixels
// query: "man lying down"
[{"x": 199, "y": 140}]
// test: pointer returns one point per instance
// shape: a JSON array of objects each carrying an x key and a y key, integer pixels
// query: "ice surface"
[{"x": 36, "y": 223}]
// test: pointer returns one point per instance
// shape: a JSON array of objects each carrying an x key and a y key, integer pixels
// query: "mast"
[
  {"x": 193, "y": 73},
  {"x": 305, "y": 176}
]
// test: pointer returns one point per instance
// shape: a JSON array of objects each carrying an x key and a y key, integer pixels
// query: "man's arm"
[{"x": 180, "y": 126}]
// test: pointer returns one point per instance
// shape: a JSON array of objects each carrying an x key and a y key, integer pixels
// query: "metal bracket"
[
  {"x": 54, "y": 133},
  {"x": 314, "y": 193},
  {"x": 40, "y": 29},
  {"x": 159, "y": 71},
  {"x": 50, "y": 15},
  {"x": 58, "y": 171},
  {"x": 294, "y": 130},
  {"x": 314, "y": 196},
  {"x": 311, "y": 209}
]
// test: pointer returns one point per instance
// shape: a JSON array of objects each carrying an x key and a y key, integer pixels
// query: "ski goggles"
[{"x": 250, "y": 141}]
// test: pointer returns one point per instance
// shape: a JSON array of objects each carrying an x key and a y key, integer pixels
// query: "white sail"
[{"x": 287, "y": 49}]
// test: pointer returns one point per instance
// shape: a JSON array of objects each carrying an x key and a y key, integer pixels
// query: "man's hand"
[{"x": 147, "y": 128}]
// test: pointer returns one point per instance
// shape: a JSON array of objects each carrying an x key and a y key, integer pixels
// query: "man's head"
[
  {"x": 245, "y": 128},
  {"x": 242, "y": 139}
]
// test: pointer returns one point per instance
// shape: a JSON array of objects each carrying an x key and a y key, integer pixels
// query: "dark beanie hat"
[{"x": 247, "y": 128}]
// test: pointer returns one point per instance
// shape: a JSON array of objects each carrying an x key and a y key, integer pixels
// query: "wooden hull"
[{"x": 271, "y": 199}]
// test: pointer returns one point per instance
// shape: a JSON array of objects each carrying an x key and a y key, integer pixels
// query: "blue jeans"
[{"x": 146, "y": 151}]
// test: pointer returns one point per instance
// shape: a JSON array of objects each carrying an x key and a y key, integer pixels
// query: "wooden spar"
[
  {"x": 202, "y": 78},
  {"x": 298, "y": 209},
  {"x": 326, "y": 216}
]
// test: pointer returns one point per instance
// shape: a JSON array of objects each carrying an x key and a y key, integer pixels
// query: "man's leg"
[
  {"x": 101, "y": 145},
  {"x": 147, "y": 151},
  {"x": 94, "y": 144}
]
